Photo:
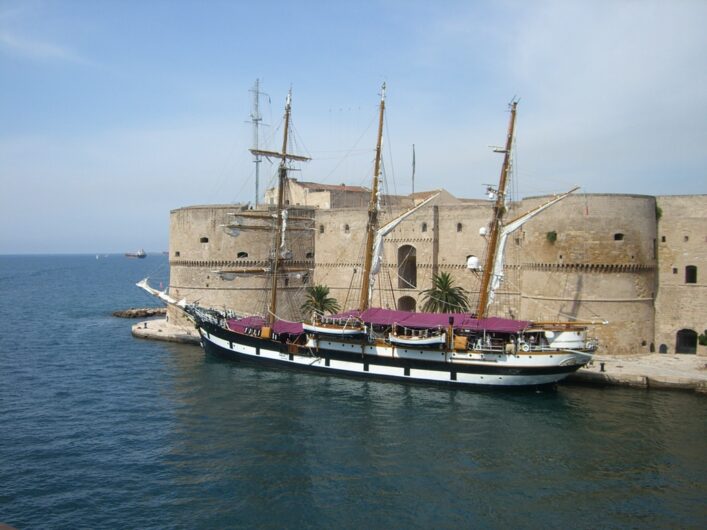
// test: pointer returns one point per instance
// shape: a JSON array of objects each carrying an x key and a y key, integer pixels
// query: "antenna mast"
[
  {"x": 255, "y": 119},
  {"x": 413, "y": 172}
]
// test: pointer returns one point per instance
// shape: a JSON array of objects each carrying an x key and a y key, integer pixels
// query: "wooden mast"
[
  {"x": 282, "y": 182},
  {"x": 372, "y": 225},
  {"x": 499, "y": 210}
]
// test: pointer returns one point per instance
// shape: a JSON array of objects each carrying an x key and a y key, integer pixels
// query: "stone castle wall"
[
  {"x": 601, "y": 266},
  {"x": 203, "y": 256},
  {"x": 682, "y": 242},
  {"x": 608, "y": 261}
]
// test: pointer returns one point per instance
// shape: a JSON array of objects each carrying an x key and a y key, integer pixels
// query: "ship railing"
[
  {"x": 346, "y": 323},
  {"x": 403, "y": 331}
]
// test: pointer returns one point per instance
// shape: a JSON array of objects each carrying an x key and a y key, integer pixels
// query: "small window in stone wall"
[
  {"x": 347, "y": 229},
  {"x": 663, "y": 348},
  {"x": 459, "y": 227},
  {"x": 204, "y": 240},
  {"x": 424, "y": 227},
  {"x": 675, "y": 270},
  {"x": 662, "y": 239},
  {"x": 618, "y": 236},
  {"x": 687, "y": 238},
  {"x": 176, "y": 253},
  {"x": 691, "y": 274},
  {"x": 309, "y": 255},
  {"x": 242, "y": 255},
  {"x": 321, "y": 229}
]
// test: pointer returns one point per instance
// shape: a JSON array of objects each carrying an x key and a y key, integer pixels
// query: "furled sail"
[
  {"x": 497, "y": 272},
  {"x": 378, "y": 241}
]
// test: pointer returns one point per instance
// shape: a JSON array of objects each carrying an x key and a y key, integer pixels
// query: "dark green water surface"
[{"x": 101, "y": 430}]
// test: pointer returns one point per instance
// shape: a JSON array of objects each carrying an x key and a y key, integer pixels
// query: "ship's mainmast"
[
  {"x": 499, "y": 210},
  {"x": 373, "y": 207}
]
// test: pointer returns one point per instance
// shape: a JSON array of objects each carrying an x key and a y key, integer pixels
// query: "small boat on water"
[
  {"x": 461, "y": 349},
  {"x": 141, "y": 254}
]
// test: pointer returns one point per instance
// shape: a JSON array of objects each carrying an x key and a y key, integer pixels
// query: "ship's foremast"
[{"x": 279, "y": 246}]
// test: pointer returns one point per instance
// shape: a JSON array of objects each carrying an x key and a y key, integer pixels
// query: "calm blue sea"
[{"x": 101, "y": 430}]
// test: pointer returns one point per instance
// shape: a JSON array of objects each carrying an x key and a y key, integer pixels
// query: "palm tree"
[
  {"x": 444, "y": 297},
  {"x": 318, "y": 301}
]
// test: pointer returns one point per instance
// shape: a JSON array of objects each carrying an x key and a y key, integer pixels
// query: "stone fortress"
[{"x": 636, "y": 261}]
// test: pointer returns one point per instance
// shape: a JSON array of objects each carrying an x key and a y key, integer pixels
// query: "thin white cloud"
[{"x": 38, "y": 50}]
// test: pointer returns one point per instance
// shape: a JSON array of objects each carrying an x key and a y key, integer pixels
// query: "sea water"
[{"x": 102, "y": 430}]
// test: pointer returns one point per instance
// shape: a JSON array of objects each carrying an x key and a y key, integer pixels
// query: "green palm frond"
[
  {"x": 318, "y": 301},
  {"x": 444, "y": 296}
]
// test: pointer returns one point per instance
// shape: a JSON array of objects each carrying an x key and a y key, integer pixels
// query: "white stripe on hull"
[{"x": 397, "y": 372}]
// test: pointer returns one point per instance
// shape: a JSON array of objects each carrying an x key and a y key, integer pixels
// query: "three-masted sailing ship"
[{"x": 452, "y": 348}]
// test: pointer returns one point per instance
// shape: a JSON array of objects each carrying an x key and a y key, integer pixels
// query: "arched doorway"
[
  {"x": 407, "y": 267},
  {"x": 686, "y": 341},
  {"x": 406, "y": 303}
]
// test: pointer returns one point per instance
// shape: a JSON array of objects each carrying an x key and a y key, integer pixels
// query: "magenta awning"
[{"x": 461, "y": 321}]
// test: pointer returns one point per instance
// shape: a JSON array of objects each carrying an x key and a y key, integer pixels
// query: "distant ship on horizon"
[{"x": 139, "y": 254}]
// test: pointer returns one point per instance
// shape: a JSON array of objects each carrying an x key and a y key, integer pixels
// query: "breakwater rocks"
[{"x": 141, "y": 312}]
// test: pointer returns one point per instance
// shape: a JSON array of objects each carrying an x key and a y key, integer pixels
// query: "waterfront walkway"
[{"x": 649, "y": 370}]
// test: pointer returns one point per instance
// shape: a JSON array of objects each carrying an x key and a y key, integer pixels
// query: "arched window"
[
  {"x": 686, "y": 341},
  {"x": 242, "y": 255},
  {"x": 204, "y": 240},
  {"x": 406, "y": 303},
  {"x": 663, "y": 348},
  {"x": 424, "y": 227},
  {"x": 459, "y": 227},
  {"x": 691, "y": 274},
  {"x": 407, "y": 267}
]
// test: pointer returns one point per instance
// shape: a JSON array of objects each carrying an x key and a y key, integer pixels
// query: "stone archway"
[
  {"x": 407, "y": 303},
  {"x": 407, "y": 267},
  {"x": 686, "y": 341}
]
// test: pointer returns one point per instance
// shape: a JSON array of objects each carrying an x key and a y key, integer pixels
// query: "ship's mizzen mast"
[
  {"x": 373, "y": 207},
  {"x": 279, "y": 246},
  {"x": 499, "y": 210}
]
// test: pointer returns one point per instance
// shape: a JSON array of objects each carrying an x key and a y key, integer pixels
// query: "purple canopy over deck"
[
  {"x": 389, "y": 317},
  {"x": 461, "y": 321}
]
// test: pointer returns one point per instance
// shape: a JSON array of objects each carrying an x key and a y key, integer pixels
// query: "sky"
[{"x": 113, "y": 113}]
